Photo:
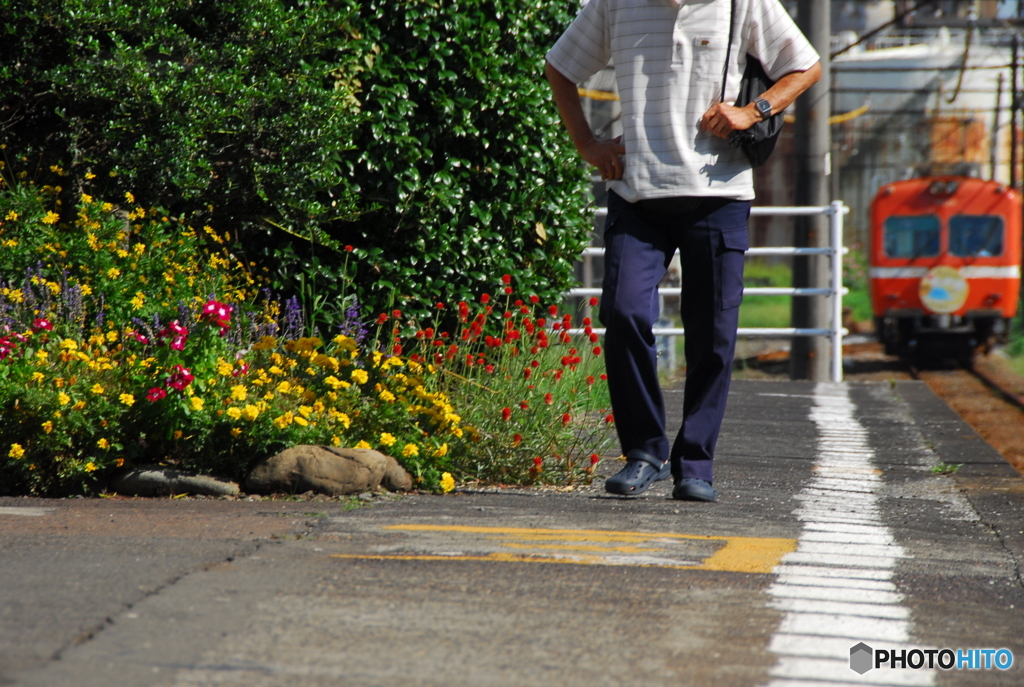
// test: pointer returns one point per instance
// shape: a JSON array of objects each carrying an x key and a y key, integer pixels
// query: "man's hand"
[
  {"x": 722, "y": 119},
  {"x": 605, "y": 155}
]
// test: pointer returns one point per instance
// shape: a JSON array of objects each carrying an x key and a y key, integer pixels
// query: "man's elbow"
[{"x": 813, "y": 75}]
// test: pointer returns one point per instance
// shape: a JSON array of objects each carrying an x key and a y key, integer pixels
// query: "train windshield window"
[
  {"x": 911, "y": 236},
  {"x": 976, "y": 235}
]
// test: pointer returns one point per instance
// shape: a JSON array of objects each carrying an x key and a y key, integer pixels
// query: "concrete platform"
[{"x": 833, "y": 530}]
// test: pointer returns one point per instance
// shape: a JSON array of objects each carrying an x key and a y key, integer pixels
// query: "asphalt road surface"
[{"x": 833, "y": 530}]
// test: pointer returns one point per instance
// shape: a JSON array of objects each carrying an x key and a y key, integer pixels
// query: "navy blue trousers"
[{"x": 640, "y": 239}]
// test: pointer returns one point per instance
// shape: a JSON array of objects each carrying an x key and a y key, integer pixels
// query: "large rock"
[
  {"x": 327, "y": 470},
  {"x": 153, "y": 480}
]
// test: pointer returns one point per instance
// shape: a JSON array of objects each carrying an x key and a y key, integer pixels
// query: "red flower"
[
  {"x": 604, "y": 378},
  {"x": 349, "y": 249},
  {"x": 566, "y": 418},
  {"x": 398, "y": 349},
  {"x": 506, "y": 414},
  {"x": 396, "y": 314},
  {"x": 535, "y": 299},
  {"x": 594, "y": 458},
  {"x": 178, "y": 343},
  {"x": 155, "y": 394},
  {"x": 534, "y": 363},
  {"x": 382, "y": 318},
  {"x": 593, "y": 300},
  {"x": 548, "y": 399},
  {"x": 180, "y": 378},
  {"x": 517, "y": 439},
  {"x": 524, "y": 405},
  {"x": 590, "y": 380},
  {"x": 40, "y": 324},
  {"x": 597, "y": 350},
  {"x": 593, "y": 338},
  {"x": 507, "y": 314},
  {"x": 553, "y": 309},
  {"x": 440, "y": 306},
  {"x": 526, "y": 373},
  {"x": 485, "y": 298},
  {"x": 609, "y": 418},
  {"x": 243, "y": 367},
  {"x": 506, "y": 279},
  {"x": 508, "y": 290},
  {"x": 489, "y": 369}
]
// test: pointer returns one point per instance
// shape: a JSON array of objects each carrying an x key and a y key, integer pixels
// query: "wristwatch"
[{"x": 764, "y": 108}]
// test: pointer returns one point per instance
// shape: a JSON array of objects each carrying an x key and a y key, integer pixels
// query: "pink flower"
[
  {"x": 180, "y": 378},
  {"x": 155, "y": 394},
  {"x": 40, "y": 324}
]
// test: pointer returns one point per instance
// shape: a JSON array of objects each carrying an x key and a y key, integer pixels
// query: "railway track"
[{"x": 998, "y": 389}]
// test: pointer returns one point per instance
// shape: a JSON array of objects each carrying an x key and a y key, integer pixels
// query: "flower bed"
[{"x": 127, "y": 338}]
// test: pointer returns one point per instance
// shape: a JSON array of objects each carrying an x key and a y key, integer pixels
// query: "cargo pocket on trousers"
[{"x": 734, "y": 245}]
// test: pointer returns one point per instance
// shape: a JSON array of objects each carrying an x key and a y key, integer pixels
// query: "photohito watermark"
[{"x": 863, "y": 658}]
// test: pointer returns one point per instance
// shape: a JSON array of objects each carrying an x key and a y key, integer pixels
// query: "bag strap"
[{"x": 728, "y": 48}]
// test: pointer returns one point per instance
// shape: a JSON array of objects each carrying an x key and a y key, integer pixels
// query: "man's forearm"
[
  {"x": 568, "y": 101},
  {"x": 790, "y": 87},
  {"x": 605, "y": 155}
]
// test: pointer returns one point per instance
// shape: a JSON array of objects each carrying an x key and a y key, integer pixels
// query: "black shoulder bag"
[{"x": 758, "y": 141}]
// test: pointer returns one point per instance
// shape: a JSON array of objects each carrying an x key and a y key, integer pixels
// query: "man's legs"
[
  {"x": 637, "y": 253},
  {"x": 711, "y": 253}
]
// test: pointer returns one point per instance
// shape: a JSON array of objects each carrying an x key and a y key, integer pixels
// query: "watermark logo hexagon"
[{"x": 861, "y": 658}]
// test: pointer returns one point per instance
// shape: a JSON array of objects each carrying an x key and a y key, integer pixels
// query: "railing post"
[{"x": 836, "y": 226}]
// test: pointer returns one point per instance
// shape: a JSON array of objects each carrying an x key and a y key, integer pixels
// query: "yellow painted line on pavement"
[{"x": 739, "y": 554}]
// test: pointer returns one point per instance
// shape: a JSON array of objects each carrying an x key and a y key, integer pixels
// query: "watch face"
[{"x": 764, "y": 107}]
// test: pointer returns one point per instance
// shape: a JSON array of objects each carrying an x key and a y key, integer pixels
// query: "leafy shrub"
[{"x": 420, "y": 133}]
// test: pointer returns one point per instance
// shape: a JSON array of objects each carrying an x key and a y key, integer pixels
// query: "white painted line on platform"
[
  {"x": 26, "y": 511},
  {"x": 835, "y": 589},
  {"x": 890, "y": 611}
]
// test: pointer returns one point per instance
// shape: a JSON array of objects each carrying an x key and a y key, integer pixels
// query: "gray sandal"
[{"x": 641, "y": 471}]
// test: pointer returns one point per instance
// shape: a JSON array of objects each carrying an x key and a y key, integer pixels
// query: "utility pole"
[{"x": 809, "y": 356}]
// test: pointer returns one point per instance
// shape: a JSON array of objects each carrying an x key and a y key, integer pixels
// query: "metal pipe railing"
[{"x": 836, "y": 291}]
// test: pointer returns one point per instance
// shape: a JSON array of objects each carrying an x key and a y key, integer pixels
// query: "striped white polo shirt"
[{"x": 669, "y": 60}]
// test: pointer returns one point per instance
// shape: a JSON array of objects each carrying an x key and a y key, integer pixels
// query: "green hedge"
[{"x": 420, "y": 133}]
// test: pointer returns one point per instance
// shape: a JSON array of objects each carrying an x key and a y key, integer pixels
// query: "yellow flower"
[
  {"x": 235, "y": 413},
  {"x": 63, "y": 398},
  {"x": 410, "y": 451},
  {"x": 78, "y": 406},
  {"x": 360, "y": 376},
  {"x": 86, "y": 198},
  {"x": 113, "y": 273},
  {"x": 387, "y": 439},
  {"x": 238, "y": 392},
  {"x": 112, "y": 336},
  {"x": 69, "y": 345},
  {"x": 441, "y": 451},
  {"x": 236, "y": 431},
  {"x": 91, "y": 467},
  {"x": 284, "y": 420},
  {"x": 126, "y": 399},
  {"x": 108, "y": 207},
  {"x": 97, "y": 389},
  {"x": 38, "y": 376},
  {"x": 387, "y": 396},
  {"x": 224, "y": 368},
  {"x": 283, "y": 387},
  {"x": 16, "y": 451},
  {"x": 447, "y": 482},
  {"x": 89, "y": 175},
  {"x": 129, "y": 197},
  {"x": 51, "y": 218},
  {"x": 12, "y": 215},
  {"x": 197, "y": 403},
  {"x": 265, "y": 343},
  {"x": 103, "y": 444},
  {"x": 250, "y": 412},
  {"x": 363, "y": 444},
  {"x": 138, "y": 301},
  {"x": 301, "y": 421},
  {"x": 42, "y": 355},
  {"x": 335, "y": 441},
  {"x": 119, "y": 462},
  {"x": 47, "y": 426},
  {"x": 336, "y": 383},
  {"x": 85, "y": 289}
]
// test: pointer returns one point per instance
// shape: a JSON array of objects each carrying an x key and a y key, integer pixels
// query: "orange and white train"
[{"x": 945, "y": 265}]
